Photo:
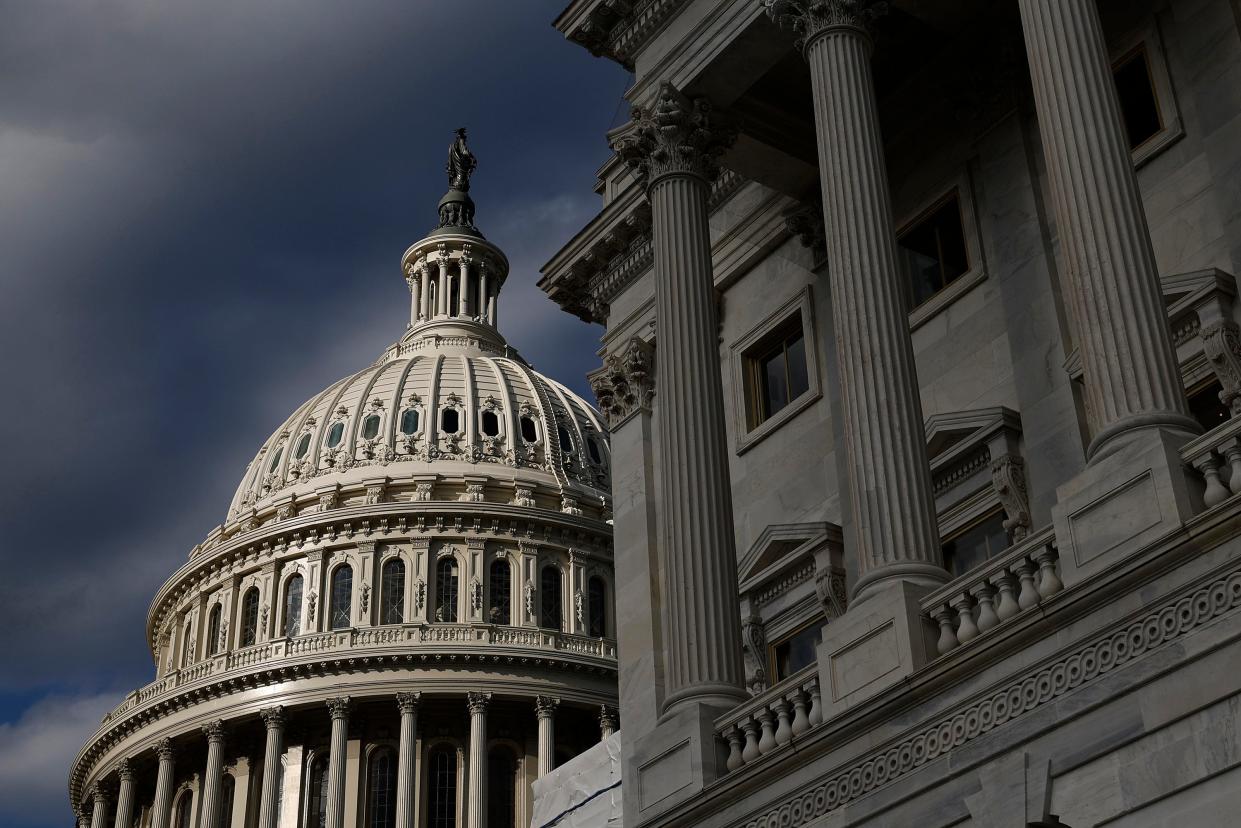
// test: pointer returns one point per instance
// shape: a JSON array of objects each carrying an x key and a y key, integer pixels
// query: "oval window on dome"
[
  {"x": 593, "y": 447},
  {"x": 449, "y": 421},
  {"x": 275, "y": 460},
  {"x": 370, "y": 427},
  {"x": 529, "y": 432},
  {"x": 491, "y": 424},
  {"x": 334, "y": 435},
  {"x": 409, "y": 421},
  {"x": 566, "y": 442},
  {"x": 303, "y": 446}
]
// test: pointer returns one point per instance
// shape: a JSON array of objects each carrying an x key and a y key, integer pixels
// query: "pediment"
[{"x": 782, "y": 546}]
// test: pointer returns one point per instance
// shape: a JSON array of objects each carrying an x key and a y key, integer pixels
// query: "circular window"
[
  {"x": 303, "y": 446},
  {"x": 370, "y": 427},
  {"x": 334, "y": 435},
  {"x": 409, "y": 421}
]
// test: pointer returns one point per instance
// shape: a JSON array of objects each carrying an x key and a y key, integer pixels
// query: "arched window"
[
  {"x": 491, "y": 424},
  {"x": 449, "y": 421},
  {"x": 381, "y": 789},
  {"x": 446, "y": 590},
  {"x": 184, "y": 811},
  {"x": 293, "y": 606},
  {"x": 409, "y": 421},
  {"x": 187, "y": 645},
  {"x": 566, "y": 442},
  {"x": 370, "y": 427},
  {"x": 342, "y": 597},
  {"x": 303, "y": 446},
  {"x": 213, "y": 630},
  {"x": 501, "y": 577},
  {"x": 550, "y": 598},
  {"x": 228, "y": 790},
  {"x": 597, "y": 607},
  {"x": 501, "y": 788},
  {"x": 442, "y": 788},
  {"x": 529, "y": 431},
  {"x": 316, "y": 804},
  {"x": 250, "y": 617},
  {"x": 392, "y": 592},
  {"x": 334, "y": 434}
]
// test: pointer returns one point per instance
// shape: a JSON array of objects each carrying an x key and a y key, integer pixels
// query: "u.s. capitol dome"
[{"x": 406, "y": 616}]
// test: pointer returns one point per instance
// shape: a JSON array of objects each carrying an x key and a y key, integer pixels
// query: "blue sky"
[{"x": 202, "y": 212}]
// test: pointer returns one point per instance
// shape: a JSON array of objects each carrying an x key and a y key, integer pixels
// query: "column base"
[
  {"x": 874, "y": 645},
  {"x": 920, "y": 576},
  {"x": 1129, "y": 496},
  {"x": 672, "y": 763}
]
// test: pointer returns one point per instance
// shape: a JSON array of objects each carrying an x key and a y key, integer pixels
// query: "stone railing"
[
  {"x": 1001, "y": 589},
  {"x": 772, "y": 719},
  {"x": 416, "y": 637},
  {"x": 1216, "y": 456}
]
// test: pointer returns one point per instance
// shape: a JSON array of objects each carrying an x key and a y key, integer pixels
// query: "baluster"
[
  {"x": 1007, "y": 586},
  {"x": 816, "y": 711},
  {"x": 1029, "y": 595},
  {"x": 1232, "y": 453},
  {"x": 1049, "y": 582},
  {"x": 734, "y": 749},
  {"x": 784, "y": 731},
  {"x": 966, "y": 629},
  {"x": 984, "y": 593},
  {"x": 751, "y": 751},
  {"x": 800, "y": 722},
  {"x": 947, "y": 635},
  {"x": 1207, "y": 465},
  {"x": 768, "y": 743}
]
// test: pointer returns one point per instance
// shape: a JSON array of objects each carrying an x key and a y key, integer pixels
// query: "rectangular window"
[
  {"x": 933, "y": 250},
  {"x": 1135, "y": 88},
  {"x": 776, "y": 372},
  {"x": 972, "y": 546},
  {"x": 796, "y": 651},
  {"x": 1205, "y": 407}
]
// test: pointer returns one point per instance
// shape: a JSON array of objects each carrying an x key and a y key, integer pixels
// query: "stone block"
[{"x": 672, "y": 763}]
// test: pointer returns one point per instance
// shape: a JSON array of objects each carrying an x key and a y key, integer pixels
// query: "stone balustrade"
[
  {"x": 990, "y": 595},
  {"x": 413, "y": 638},
  {"x": 1216, "y": 456},
  {"x": 771, "y": 719}
]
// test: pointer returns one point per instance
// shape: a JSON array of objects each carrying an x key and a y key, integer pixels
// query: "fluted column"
[
  {"x": 339, "y": 708},
  {"x": 484, "y": 294},
  {"x": 607, "y": 721},
  {"x": 893, "y": 508},
  {"x": 672, "y": 148},
  {"x": 99, "y": 814},
  {"x": 545, "y": 710},
  {"x": 214, "y": 731},
  {"x": 125, "y": 796},
  {"x": 406, "y": 770},
  {"x": 1132, "y": 379},
  {"x": 163, "y": 784},
  {"x": 414, "y": 281},
  {"x": 269, "y": 802},
  {"x": 425, "y": 299},
  {"x": 442, "y": 293},
  {"x": 463, "y": 291},
  {"x": 476, "y": 809}
]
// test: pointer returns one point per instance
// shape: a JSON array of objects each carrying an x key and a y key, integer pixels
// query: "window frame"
[
  {"x": 773, "y": 676},
  {"x": 245, "y": 624},
  {"x": 388, "y": 596},
  {"x": 332, "y": 607},
  {"x": 1149, "y": 39}
]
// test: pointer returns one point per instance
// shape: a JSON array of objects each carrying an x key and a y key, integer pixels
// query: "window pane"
[
  {"x": 1206, "y": 408},
  {"x": 250, "y": 617},
  {"x": 934, "y": 251},
  {"x": 491, "y": 423},
  {"x": 303, "y": 446},
  {"x": 597, "y": 599},
  {"x": 528, "y": 431},
  {"x": 501, "y": 789},
  {"x": 566, "y": 442},
  {"x": 316, "y": 813},
  {"x": 442, "y": 807},
  {"x": 797, "y": 651},
  {"x": 799, "y": 382},
  {"x": 393, "y": 597},
  {"x": 1138, "y": 107},
  {"x": 293, "y": 606},
  {"x": 370, "y": 427},
  {"x": 228, "y": 790},
  {"x": 500, "y": 611},
  {"x": 213, "y": 630},
  {"x": 275, "y": 460},
  {"x": 593, "y": 448},
  {"x": 974, "y": 545},
  {"x": 446, "y": 590},
  {"x": 382, "y": 793},
  {"x": 550, "y": 599},
  {"x": 775, "y": 390},
  {"x": 448, "y": 421},
  {"x": 409, "y": 421},
  {"x": 334, "y": 434},
  {"x": 342, "y": 597}
]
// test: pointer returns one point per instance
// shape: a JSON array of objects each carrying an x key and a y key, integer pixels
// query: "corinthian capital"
[
  {"x": 273, "y": 717},
  {"x": 545, "y": 706},
  {"x": 626, "y": 382},
  {"x": 214, "y": 731},
  {"x": 676, "y": 136},
  {"x": 338, "y": 707},
  {"x": 811, "y": 18},
  {"x": 477, "y": 702},
  {"x": 165, "y": 751}
]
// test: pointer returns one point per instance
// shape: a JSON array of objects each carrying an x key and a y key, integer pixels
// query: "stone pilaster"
[
  {"x": 164, "y": 784},
  {"x": 890, "y": 483},
  {"x": 99, "y": 813},
  {"x": 672, "y": 148},
  {"x": 1132, "y": 379},
  {"x": 339, "y": 708},
  {"x": 476, "y": 807},
  {"x": 125, "y": 796},
  {"x": 545, "y": 711},
  {"x": 214, "y": 731},
  {"x": 407, "y": 758},
  {"x": 269, "y": 803}
]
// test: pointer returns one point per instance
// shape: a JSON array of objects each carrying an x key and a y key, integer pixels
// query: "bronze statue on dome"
[{"x": 461, "y": 163}]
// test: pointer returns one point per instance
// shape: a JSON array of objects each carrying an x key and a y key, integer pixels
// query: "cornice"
[{"x": 616, "y": 29}]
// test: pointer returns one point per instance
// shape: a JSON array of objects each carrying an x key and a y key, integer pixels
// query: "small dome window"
[
  {"x": 449, "y": 421},
  {"x": 409, "y": 421},
  {"x": 303, "y": 446},
  {"x": 370, "y": 427},
  {"x": 491, "y": 424},
  {"x": 592, "y": 446},
  {"x": 275, "y": 460},
  {"x": 334, "y": 435},
  {"x": 529, "y": 432},
  {"x": 566, "y": 442}
]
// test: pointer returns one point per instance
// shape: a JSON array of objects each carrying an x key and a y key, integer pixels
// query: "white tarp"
[{"x": 585, "y": 792}]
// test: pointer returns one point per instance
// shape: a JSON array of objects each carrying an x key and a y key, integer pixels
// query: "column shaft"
[
  {"x": 214, "y": 774},
  {"x": 889, "y": 482},
  {"x": 425, "y": 275},
  {"x": 125, "y": 797},
  {"x": 269, "y": 804},
  {"x": 407, "y": 757},
  {"x": 163, "y": 785},
  {"x": 476, "y": 808},
  {"x": 99, "y": 814},
  {"x": 1131, "y": 373},
  {"x": 336, "y": 762},
  {"x": 545, "y": 709},
  {"x": 415, "y": 299},
  {"x": 442, "y": 294},
  {"x": 463, "y": 291}
]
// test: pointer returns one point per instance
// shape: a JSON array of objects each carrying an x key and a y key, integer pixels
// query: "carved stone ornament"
[
  {"x": 676, "y": 136},
  {"x": 125, "y": 770},
  {"x": 1221, "y": 342},
  {"x": 407, "y": 702},
  {"x": 569, "y": 506},
  {"x": 579, "y": 606},
  {"x": 376, "y": 494},
  {"x": 806, "y": 222},
  {"x": 364, "y": 599},
  {"x": 626, "y": 382},
  {"x": 422, "y": 491},
  {"x": 420, "y": 594},
  {"x": 165, "y": 751},
  {"x": 263, "y": 617},
  {"x": 474, "y": 493},
  {"x": 478, "y": 702},
  {"x": 523, "y": 496},
  {"x": 273, "y": 717},
  {"x": 311, "y": 599},
  {"x": 476, "y": 594},
  {"x": 529, "y": 595},
  {"x": 1008, "y": 476},
  {"x": 829, "y": 587},
  {"x": 607, "y": 717},
  {"x": 214, "y": 731},
  {"x": 545, "y": 706},
  {"x": 338, "y": 707},
  {"x": 327, "y": 501},
  {"x": 810, "y": 18},
  {"x": 755, "y": 639}
]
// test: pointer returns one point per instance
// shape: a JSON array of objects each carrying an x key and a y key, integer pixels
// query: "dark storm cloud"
[{"x": 202, "y": 209}]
